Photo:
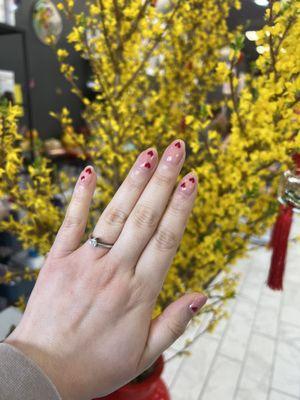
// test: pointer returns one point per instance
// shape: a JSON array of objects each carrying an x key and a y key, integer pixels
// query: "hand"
[{"x": 88, "y": 321}]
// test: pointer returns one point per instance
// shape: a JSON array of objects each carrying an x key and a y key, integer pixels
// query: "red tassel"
[
  {"x": 296, "y": 158},
  {"x": 279, "y": 243}
]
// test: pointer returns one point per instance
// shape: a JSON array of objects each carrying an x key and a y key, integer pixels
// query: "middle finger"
[{"x": 150, "y": 207}]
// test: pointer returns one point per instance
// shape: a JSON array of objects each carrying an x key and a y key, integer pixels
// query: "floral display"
[{"x": 158, "y": 68}]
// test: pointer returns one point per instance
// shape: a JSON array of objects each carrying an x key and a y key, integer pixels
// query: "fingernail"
[
  {"x": 147, "y": 160},
  {"x": 86, "y": 175},
  {"x": 175, "y": 152},
  {"x": 188, "y": 184},
  {"x": 197, "y": 304}
]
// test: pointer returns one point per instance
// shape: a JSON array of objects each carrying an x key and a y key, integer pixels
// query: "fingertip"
[
  {"x": 87, "y": 176},
  {"x": 188, "y": 184},
  {"x": 197, "y": 303}
]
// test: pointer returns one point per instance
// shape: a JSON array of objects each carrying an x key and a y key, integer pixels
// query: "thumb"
[{"x": 170, "y": 325}]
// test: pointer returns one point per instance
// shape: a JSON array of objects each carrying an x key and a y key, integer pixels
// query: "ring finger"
[
  {"x": 158, "y": 255},
  {"x": 113, "y": 218}
]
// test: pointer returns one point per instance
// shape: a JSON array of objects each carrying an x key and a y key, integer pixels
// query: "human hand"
[{"x": 88, "y": 321}]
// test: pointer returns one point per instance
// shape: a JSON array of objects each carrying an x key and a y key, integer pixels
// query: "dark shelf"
[{"x": 6, "y": 29}]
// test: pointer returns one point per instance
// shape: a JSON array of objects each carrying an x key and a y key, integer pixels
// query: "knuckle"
[
  {"x": 165, "y": 239},
  {"x": 161, "y": 180},
  {"x": 175, "y": 328},
  {"x": 145, "y": 216},
  {"x": 73, "y": 221},
  {"x": 115, "y": 216},
  {"x": 134, "y": 183},
  {"x": 177, "y": 207},
  {"x": 77, "y": 198}
]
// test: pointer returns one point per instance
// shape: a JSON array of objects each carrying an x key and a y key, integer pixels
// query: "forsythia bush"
[
  {"x": 29, "y": 193},
  {"x": 154, "y": 64}
]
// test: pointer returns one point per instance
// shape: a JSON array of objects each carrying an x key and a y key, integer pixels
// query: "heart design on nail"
[
  {"x": 150, "y": 153},
  {"x": 88, "y": 170},
  {"x": 193, "y": 180},
  {"x": 183, "y": 185},
  {"x": 82, "y": 178},
  {"x": 178, "y": 145},
  {"x": 147, "y": 165}
]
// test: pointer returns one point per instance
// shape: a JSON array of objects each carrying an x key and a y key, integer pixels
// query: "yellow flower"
[{"x": 152, "y": 73}]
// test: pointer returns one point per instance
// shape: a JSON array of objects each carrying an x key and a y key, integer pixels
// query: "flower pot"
[{"x": 151, "y": 388}]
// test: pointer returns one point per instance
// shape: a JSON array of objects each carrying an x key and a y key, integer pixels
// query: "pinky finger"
[{"x": 70, "y": 233}]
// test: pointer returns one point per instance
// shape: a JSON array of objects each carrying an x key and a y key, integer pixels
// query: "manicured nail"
[
  {"x": 147, "y": 160},
  {"x": 197, "y": 304},
  {"x": 86, "y": 175},
  {"x": 188, "y": 184},
  {"x": 174, "y": 153}
]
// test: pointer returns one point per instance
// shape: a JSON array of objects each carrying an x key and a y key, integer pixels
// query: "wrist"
[{"x": 45, "y": 362}]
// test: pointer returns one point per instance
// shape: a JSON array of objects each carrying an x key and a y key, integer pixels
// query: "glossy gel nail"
[
  {"x": 174, "y": 153},
  {"x": 147, "y": 159},
  {"x": 188, "y": 184},
  {"x": 197, "y": 304},
  {"x": 86, "y": 175}
]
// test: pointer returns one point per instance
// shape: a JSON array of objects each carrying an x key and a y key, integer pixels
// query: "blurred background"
[{"x": 254, "y": 353}]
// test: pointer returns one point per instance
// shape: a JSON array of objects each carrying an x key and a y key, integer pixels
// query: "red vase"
[{"x": 152, "y": 388}]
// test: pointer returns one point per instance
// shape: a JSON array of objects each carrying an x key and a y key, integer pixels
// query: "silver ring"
[{"x": 96, "y": 242}]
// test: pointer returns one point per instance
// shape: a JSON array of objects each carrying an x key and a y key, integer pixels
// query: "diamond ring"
[{"x": 96, "y": 242}]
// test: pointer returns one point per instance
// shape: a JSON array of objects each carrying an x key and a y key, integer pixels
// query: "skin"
[{"x": 88, "y": 321}]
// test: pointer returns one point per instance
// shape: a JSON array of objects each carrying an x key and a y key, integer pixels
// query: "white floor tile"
[
  {"x": 257, "y": 371},
  {"x": 222, "y": 380},
  {"x": 291, "y": 302},
  {"x": 266, "y": 318},
  {"x": 275, "y": 395},
  {"x": 237, "y": 335},
  {"x": 194, "y": 369},
  {"x": 286, "y": 376}
]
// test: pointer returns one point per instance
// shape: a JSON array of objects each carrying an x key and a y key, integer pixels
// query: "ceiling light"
[
  {"x": 251, "y": 35},
  {"x": 262, "y": 3}
]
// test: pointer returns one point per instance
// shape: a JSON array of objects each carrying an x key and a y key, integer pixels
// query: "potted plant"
[
  {"x": 148, "y": 386},
  {"x": 154, "y": 66}
]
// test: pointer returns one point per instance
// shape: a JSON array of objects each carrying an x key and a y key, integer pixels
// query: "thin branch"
[
  {"x": 235, "y": 100},
  {"x": 271, "y": 43},
  {"x": 135, "y": 24},
  {"x": 150, "y": 51},
  {"x": 106, "y": 37}
]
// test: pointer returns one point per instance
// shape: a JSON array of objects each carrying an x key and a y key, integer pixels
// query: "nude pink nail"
[
  {"x": 147, "y": 160},
  {"x": 187, "y": 185},
  {"x": 86, "y": 175},
  {"x": 174, "y": 153},
  {"x": 197, "y": 304}
]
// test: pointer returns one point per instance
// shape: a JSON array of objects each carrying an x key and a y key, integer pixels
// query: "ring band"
[{"x": 96, "y": 242}]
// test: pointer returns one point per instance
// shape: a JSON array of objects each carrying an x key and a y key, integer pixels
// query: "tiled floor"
[{"x": 254, "y": 355}]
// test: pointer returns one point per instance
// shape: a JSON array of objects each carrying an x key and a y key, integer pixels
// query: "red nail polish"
[
  {"x": 197, "y": 304},
  {"x": 178, "y": 144},
  {"x": 183, "y": 185},
  {"x": 193, "y": 180},
  {"x": 147, "y": 165},
  {"x": 88, "y": 170},
  {"x": 151, "y": 153}
]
